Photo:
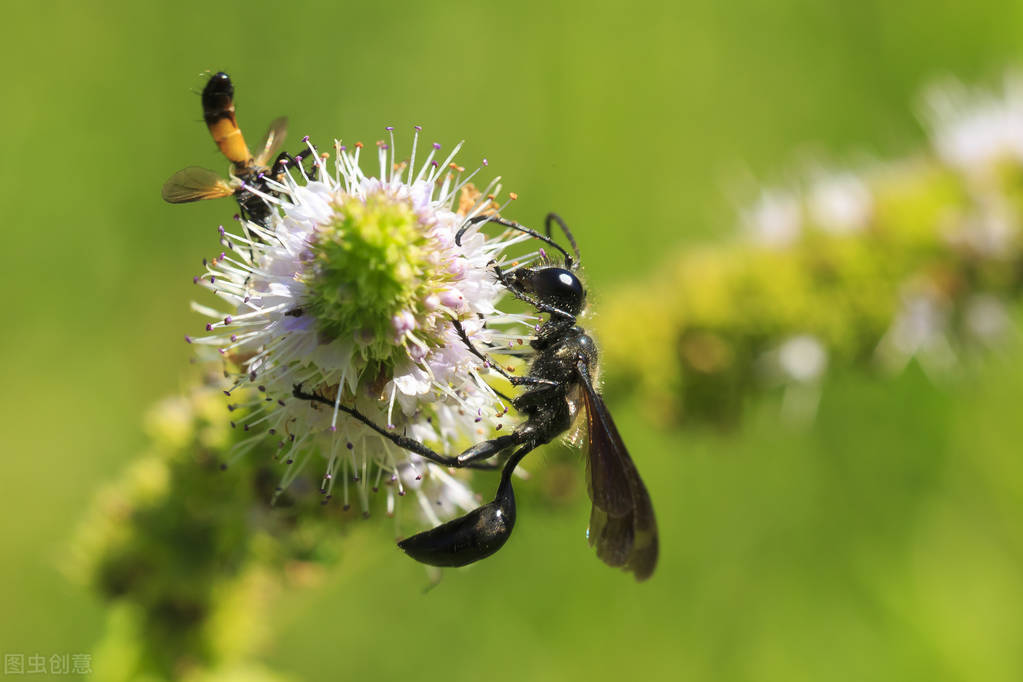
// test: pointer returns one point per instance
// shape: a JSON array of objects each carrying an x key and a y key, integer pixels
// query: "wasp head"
[{"x": 555, "y": 286}]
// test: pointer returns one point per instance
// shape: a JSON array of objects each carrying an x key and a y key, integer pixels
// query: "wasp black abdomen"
[
  {"x": 472, "y": 537},
  {"x": 464, "y": 540}
]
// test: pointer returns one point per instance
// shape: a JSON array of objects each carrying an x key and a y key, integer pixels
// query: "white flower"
[
  {"x": 973, "y": 129},
  {"x": 349, "y": 291},
  {"x": 798, "y": 364},
  {"x": 774, "y": 220},
  {"x": 920, "y": 329},
  {"x": 986, "y": 319},
  {"x": 802, "y": 358},
  {"x": 990, "y": 229},
  {"x": 840, "y": 203}
]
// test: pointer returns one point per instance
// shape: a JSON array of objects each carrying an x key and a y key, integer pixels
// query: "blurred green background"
[{"x": 883, "y": 542}]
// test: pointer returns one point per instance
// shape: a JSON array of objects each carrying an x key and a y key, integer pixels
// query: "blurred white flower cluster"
[
  {"x": 977, "y": 135},
  {"x": 913, "y": 259}
]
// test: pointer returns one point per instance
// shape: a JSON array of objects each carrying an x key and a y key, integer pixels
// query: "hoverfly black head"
[
  {"x": 218, "y": 93},
  {"x": 556, "y": 286}
]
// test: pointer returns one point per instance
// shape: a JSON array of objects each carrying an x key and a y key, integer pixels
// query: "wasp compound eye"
[{"x": 560, "y": 287}]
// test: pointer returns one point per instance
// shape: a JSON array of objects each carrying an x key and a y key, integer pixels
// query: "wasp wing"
[
  {"x": 622, "y": 524},
  {"x": 272, "y": 141},
  {"x": 195, "y": 183}
]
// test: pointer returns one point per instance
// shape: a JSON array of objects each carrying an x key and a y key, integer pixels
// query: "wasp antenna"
[{"x": 554, "y": 217}]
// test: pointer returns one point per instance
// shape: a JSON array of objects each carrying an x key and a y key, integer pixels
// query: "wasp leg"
[
  {"x": 489, "y": 448},
  {"x": 474, "y": 536},
  {"x": 512, "y": 379},
  {"x": 501, "y": 395},
  {"x": 285, "y": 160},
  {"x": 280, "y": 164},
  {"x": 409, "y": 444},
  {"x": 311, "y": 155}
]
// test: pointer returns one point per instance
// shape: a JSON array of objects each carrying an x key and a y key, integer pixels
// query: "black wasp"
[
  {"x": 557, "y": 386},
  {"x": 247, "y": 171}
]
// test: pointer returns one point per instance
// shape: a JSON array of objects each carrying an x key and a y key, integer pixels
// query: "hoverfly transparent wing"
[
  {"x": 272, "y": 141},
  {"x": 193, "y": 184}
]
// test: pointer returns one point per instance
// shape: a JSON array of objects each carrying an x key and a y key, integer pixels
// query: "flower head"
[{"x": 349, "y": 291}]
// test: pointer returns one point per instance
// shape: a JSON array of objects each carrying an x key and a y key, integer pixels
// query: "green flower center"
[{"x": 370, "y": 264}]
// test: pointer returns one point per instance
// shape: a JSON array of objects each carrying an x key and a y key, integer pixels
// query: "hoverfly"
[
  {"x": 558, "y": 385},
  {"x": 247, "y": 171}
]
